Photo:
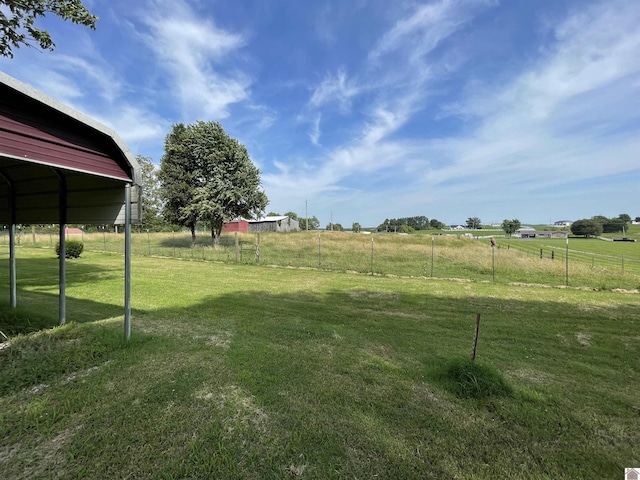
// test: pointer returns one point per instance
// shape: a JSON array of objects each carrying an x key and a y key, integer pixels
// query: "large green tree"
[
  {"x": 510, "y": 226},
  {"x": 586, "y": 228},
  {"x": 18, "y": 17},
  {"x": 207, "y": 176},
  {"x": 151, "y": 201}
]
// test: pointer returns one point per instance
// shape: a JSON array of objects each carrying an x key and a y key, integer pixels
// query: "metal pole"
[
  {"x": 62, "y": 212},
  {"x": 127, "y": 261},
  {"x": 12, "y": 265},
  {"x": 13, "y": 299}
]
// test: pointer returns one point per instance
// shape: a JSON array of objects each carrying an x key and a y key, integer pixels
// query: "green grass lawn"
[{"x": 246, "y": 371}]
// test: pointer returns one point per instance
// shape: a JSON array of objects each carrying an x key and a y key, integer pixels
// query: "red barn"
[{"x": 241, "y": 226}]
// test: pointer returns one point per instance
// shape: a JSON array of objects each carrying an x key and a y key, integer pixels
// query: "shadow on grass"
[
  {"x": 37, "y": 311},
  {"x": 43, "y": 272},
  {"x": 350, "y": 378}
]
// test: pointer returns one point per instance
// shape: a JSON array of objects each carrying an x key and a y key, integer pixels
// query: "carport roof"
[{"x": 42, "y": 141}]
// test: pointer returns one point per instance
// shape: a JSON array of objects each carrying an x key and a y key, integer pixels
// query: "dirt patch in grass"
[
  {"x": 220, "y": 340},
  {"x": 45, "y": 460},
  {"x": 530, "y": 376},
  {"x": 584, "y": 339}
]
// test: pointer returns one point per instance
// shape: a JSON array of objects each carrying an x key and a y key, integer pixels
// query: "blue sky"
[{"x": 371, "y": 109}]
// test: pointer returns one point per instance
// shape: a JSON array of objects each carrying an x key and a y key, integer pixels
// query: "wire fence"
[{"x": 382, "y": 254}]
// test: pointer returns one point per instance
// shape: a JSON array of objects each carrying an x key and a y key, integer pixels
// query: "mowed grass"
[{"x": 246, "y": 371}]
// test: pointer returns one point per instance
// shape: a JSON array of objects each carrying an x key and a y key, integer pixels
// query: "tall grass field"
[
  {"x": 264, "y": 371},
  {"x": 589, "y": 263}
]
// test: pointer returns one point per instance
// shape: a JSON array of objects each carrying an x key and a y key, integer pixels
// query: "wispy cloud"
[
  {"x": 314, "y": 134},
  {"x": 195, "y": 53},
  {"x": 427, "y": 27},
  {"x": 334, "y": 89}
]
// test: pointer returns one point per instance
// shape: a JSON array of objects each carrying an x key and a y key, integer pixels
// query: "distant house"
[
  {"x": 631, "y": 474},
  {"x": 533, "y": 233},
  {"x": 562, "y": 223},
  {"x": 457, "y": 227},
  {"x": 266, "y": 224}
]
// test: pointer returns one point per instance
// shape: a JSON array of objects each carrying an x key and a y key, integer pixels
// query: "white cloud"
[
  {"x": 334, "y": 89},
  {"x": 196, "y": 54},
  {"x": 423, "y": 30}
]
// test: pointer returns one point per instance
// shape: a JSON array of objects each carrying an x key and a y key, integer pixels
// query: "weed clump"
[{"x": 468, "y": 379}]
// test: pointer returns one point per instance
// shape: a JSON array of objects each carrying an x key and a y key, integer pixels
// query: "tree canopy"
[
  {"x": 17, "y": 22},
  {"x": 510, "y": 226},
  {"x": 309, "y": 223},
  {"x": 208, "y": 176},
  {"x": 419, "y": 222},
  {"x": 586, "y": 228},
  {"x": 151, "y": 202},
  {"x": 474, "y": 223}
]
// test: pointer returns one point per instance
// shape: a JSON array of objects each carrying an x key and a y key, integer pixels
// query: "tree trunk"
[
  {"x": 193, "y": 235},
  {"x": 216, "y": 229}
]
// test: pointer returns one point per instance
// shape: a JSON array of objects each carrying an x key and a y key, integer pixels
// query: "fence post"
[
  {"x": 493, "y": 263},
  {"x": 258, "y": 250},
  {"x": 372, "y": 256},
  {"x": 540, "y": 253},
  {"x": 432, "y": 245},
  {"x": 237, "y": 249},
  {"x": 566, "y": 256}
]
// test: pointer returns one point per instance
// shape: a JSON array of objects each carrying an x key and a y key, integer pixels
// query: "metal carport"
[{"x": 59, "y": 166}]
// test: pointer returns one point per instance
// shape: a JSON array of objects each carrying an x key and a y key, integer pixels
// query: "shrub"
[{"x": 73, "y": 248}]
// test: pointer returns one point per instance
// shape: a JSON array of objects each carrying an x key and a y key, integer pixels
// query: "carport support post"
[
  {"x": 127, "y": 261},
  {"x": 62, "y": 269},
  {"x": 13, "y": 299},
  {"x": 12, "y": 265}
]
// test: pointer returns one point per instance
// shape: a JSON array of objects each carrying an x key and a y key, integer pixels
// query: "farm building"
[
  {"x": 240, "y": 225},
  {"x": 562, "y": 223},
  {"x": 533, "y": 233},
  {"x": 266, "y": 224}
]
